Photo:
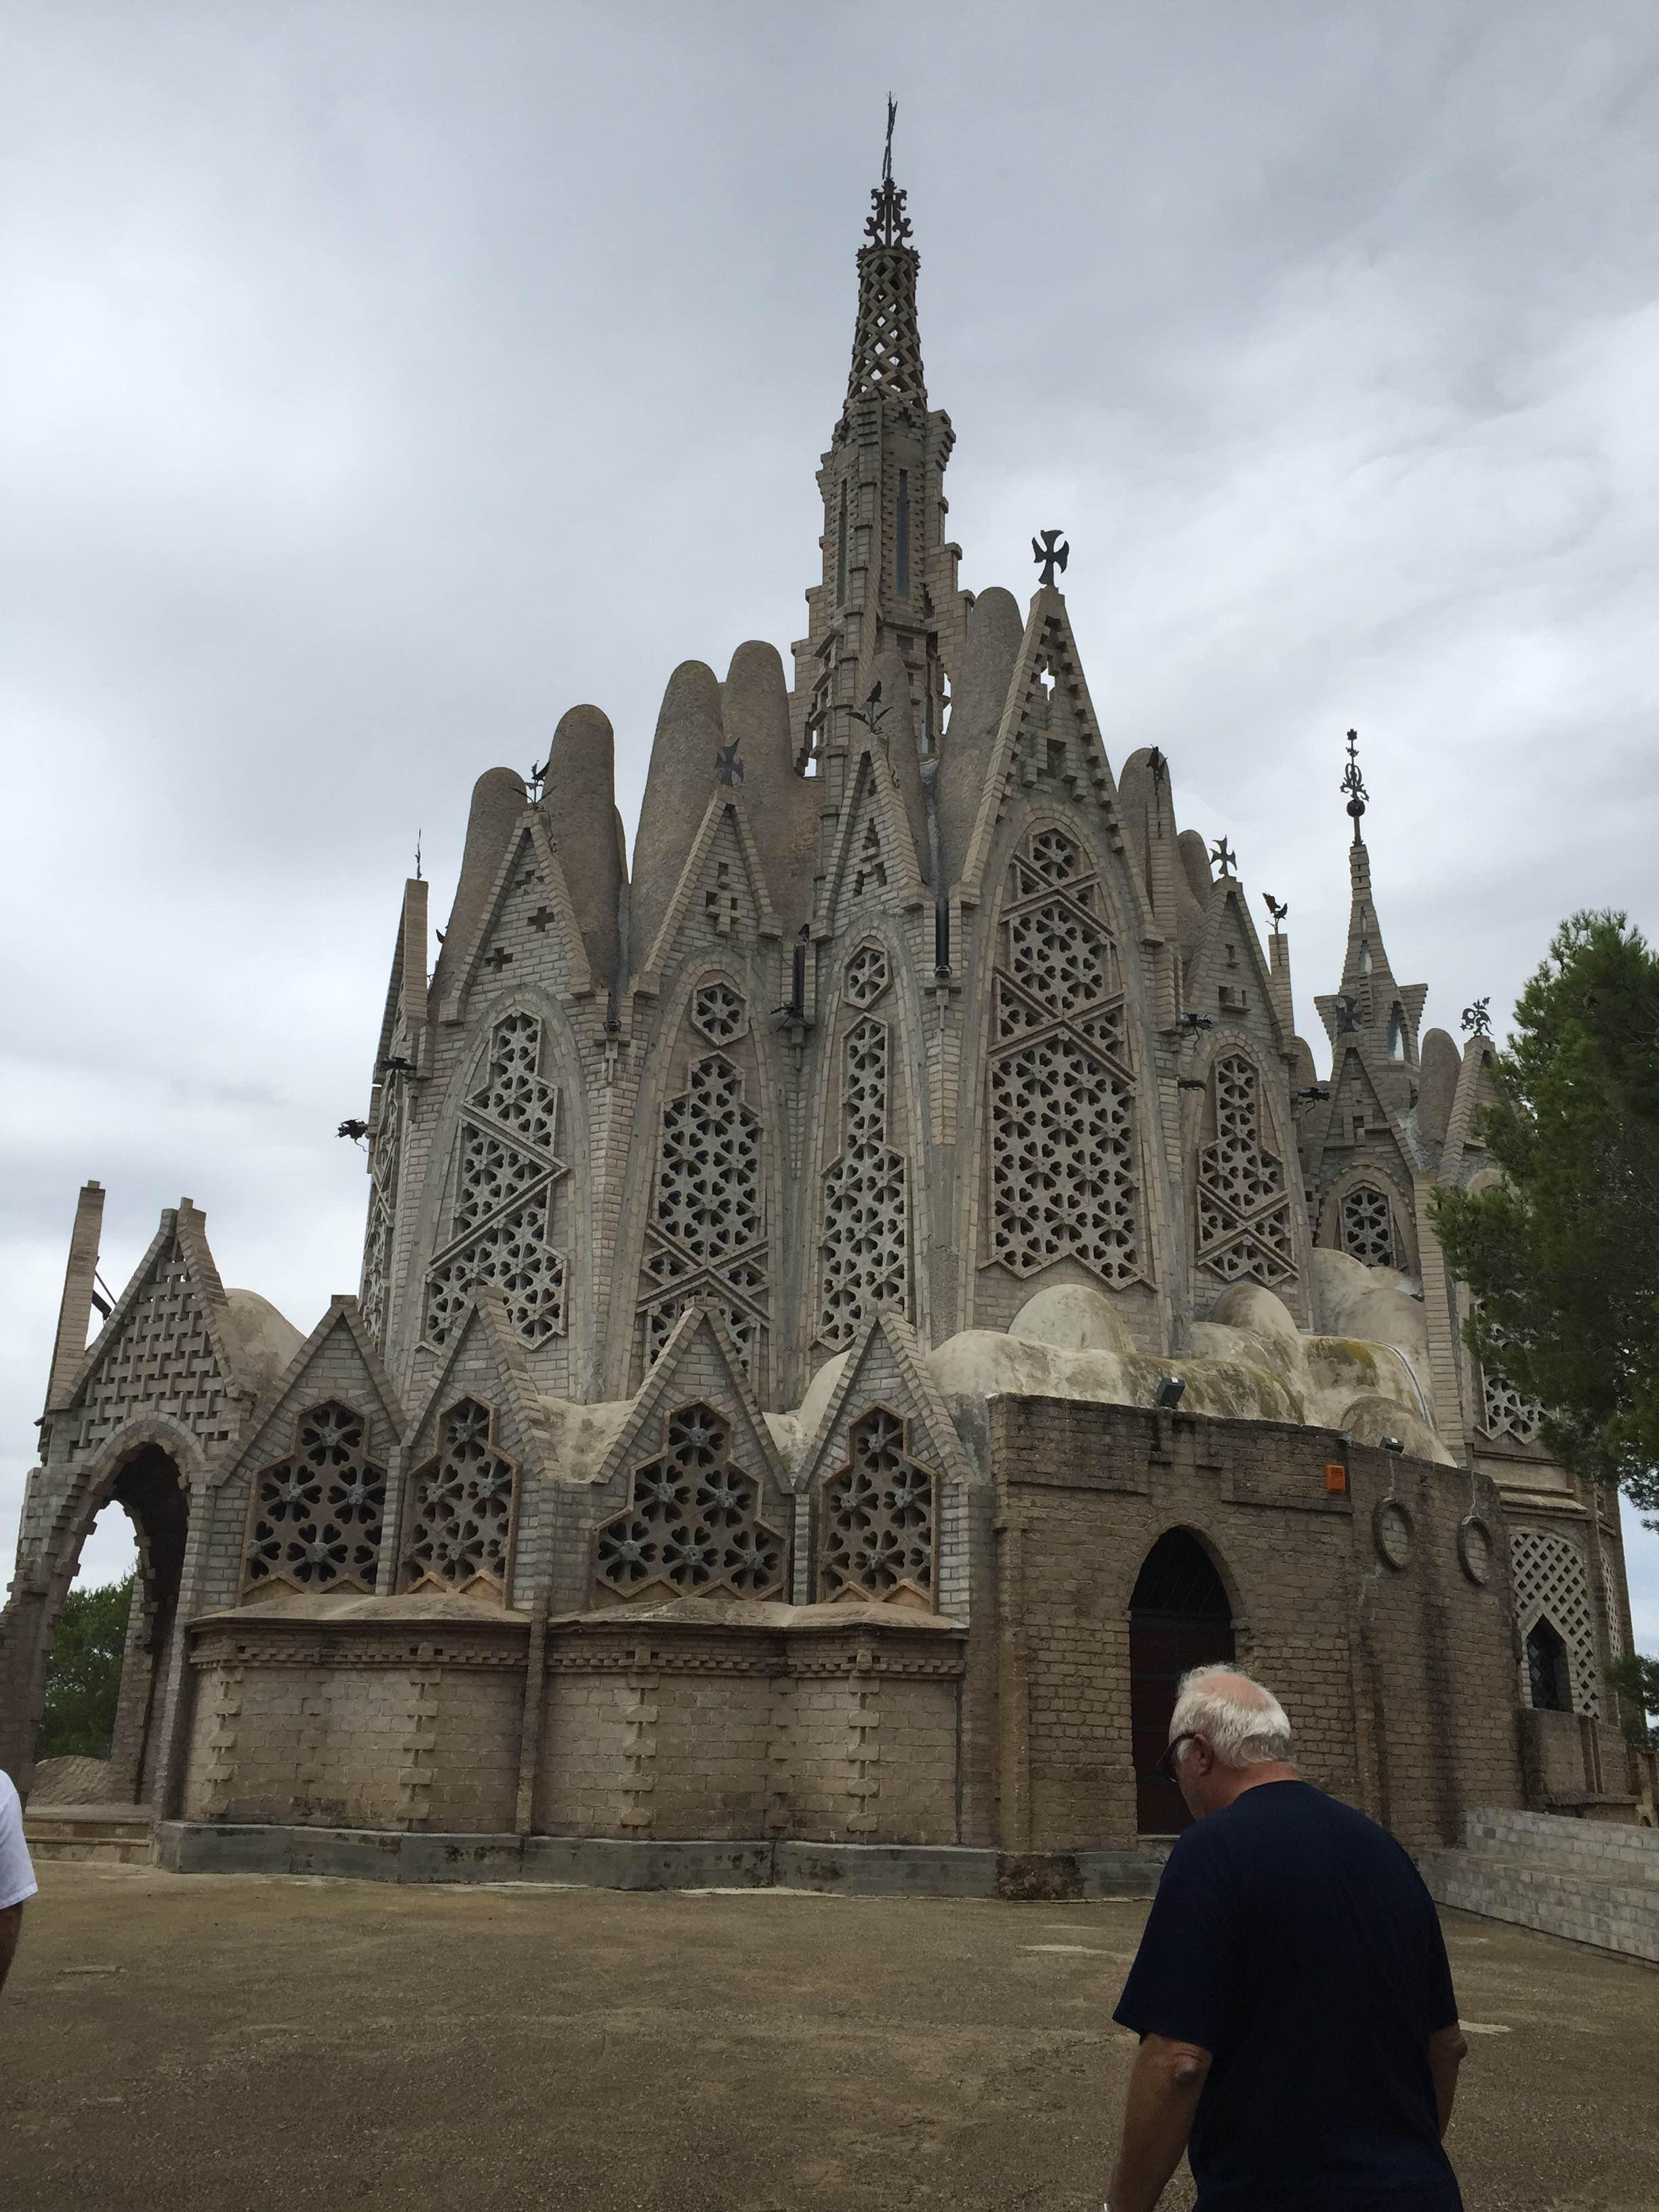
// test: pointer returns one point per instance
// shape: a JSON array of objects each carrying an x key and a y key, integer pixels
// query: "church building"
[{"x": 852, "y": 1304}]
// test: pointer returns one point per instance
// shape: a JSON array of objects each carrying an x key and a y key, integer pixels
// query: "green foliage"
[
  {"x": 83, "y": 1674},
  {"x": 1563, "y": 1256},
  {"x": 1636, "y": 1678}
]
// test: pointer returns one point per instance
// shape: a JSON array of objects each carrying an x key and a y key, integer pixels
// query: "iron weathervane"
[
  {"x": 1477, "y": 1021},
  {"x": 1049, "y": 553},
  {"x": 872, "y": 714},
  {"x": 1275, "y": 909},
  {"x": 1354, "y": 784},
  {"x": 888, "y": 224}
]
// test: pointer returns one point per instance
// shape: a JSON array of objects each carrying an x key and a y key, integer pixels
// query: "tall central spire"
[
  {"x": 886, "y": 339},
  {"x": 888, "y": 578}
]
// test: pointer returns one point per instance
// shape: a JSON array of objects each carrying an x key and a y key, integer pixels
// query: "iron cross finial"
[
  {"x": 1049, "y": 553},
  {"x": 1477, "y": 1022},
  {"x": 1223, "y": 856},
  {"x": 1274, "y": 908},
  {"x": 888, "y": 224},
  {"x": 727, "y": 766},
  {"x": 1354, "y": 784},
  {"x": 1347, "y": 1016}
]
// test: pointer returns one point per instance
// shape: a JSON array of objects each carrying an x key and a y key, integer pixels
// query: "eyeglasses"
[{"x": 1166, "y": 1765}]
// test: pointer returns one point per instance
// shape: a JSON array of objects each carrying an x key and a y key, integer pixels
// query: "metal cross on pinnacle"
[
  {"x": 1049, "y": 554},
  {"x": 727, "y": 766},
  {"x": 1224, "y": 857}
]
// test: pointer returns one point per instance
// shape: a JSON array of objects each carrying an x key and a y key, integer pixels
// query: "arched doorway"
[
  {"x": 1179, "y": 1617},
  {"x": 149, "y": 1487}
]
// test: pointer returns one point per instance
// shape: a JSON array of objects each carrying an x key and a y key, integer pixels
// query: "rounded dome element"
[
  {"x": 1073, "y": 1318},
  {"x": 268, "y": 1340},
  {"x": 1257, "y": 1312},
  {"x": 1370, "y": 1419}
]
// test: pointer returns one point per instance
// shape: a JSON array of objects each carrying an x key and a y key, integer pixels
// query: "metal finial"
[
  {"x": 536, "y": 778},
  {"x": 1275, "y": 909},
  {"x": 1477, "y": 1022},
  {"x": 1224, "y": 857},
  {"x": 1049, "y": 553},
  {"x": 727, "y": 766},
  {"x": 872, "y": 714},
  {"x": 417, "y": 856},
  {"x": 1348, "y": 1022},
  {"x": 1354, "y": 784},
  {"x": 888, "y": 224}
]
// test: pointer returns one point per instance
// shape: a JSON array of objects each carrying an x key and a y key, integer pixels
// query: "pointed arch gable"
[
  {"x": 1049, "y": 736},
  {"x": 884, "y": 1364},
  {"x": 337, "y": 1359},
  {"x": 725, "y": 865},
  {"x": 168, "y": 1349},
  {"x": 485, "y": 1358},
  {"x": 700, "y": 1360},
  {"x": 1226, "y": 990},
  {"x": 527, "y": 931},
  {"x": 874, "y": 857}
]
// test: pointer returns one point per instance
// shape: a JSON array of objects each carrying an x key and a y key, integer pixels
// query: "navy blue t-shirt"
[{"x": 1294, "y": 1940}]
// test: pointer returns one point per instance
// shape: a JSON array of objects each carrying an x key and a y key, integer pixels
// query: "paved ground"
[{"x": 231, "y": 2044}]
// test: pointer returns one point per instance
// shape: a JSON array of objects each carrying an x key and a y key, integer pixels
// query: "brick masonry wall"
[
  {"x": 1398, "y": 1679},
  {"x": 367, "y": 1729}
]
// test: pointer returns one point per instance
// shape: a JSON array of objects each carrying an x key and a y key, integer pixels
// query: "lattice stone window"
[
  {"x": 507, "y": 1176},
  {"x": 864, "y": 1246},
  {"x": 718, "y": 1011},
  {"x": 1505, "y": 1412},
  {"x": 878, "y": 1517},
  {"x": 1368, "y": 1226},
  {"x": 317, "y": 1514},
  {"x": 1064, "y": 1180},
  {"x": 1243, "y": 1211},
  {"x": 692, "y": 1522},
  {"x": 1553, "y": 1583},
  {"x": 460, "y": 1519},
  {"x": 707, "y": 1237},
  {"x": 867, "y": 976}
]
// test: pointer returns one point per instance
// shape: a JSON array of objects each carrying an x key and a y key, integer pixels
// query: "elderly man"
[
  {"x": 17, "y": 1883},
  {"x": 1292, "y": 1991}
]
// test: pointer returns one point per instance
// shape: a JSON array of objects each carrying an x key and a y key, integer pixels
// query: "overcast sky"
[{"x": 381, "y": 380}]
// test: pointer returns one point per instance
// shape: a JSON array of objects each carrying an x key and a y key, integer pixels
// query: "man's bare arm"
[
  {"x": 1157, "y": 2117},
  {"x": 11, "y": 1922},
  {"x": 1448, "y": 2049}
]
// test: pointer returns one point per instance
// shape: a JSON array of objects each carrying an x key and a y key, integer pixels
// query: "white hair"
[{"x": 1242, "y": 1731}]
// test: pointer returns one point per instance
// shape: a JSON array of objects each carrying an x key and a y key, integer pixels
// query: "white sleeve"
[{"x": 16, "y": 1875}]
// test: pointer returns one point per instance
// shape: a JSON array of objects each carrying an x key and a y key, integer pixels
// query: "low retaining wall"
[
  {"x": 1589, "y": 1882},
  {"x": 629, "y": 1863}
]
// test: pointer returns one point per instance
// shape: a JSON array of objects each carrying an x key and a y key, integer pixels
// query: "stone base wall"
[{"x": 702, "y": 1721}]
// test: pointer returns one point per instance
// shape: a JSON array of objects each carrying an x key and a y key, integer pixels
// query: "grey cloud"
[{"x": 381, "y": 382}]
